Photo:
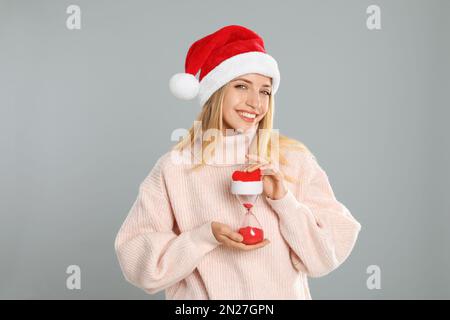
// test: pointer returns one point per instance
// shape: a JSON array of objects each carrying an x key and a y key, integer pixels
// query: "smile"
[{"x": 249, "y": 117}]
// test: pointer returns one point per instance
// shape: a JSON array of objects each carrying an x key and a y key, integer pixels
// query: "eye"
[
  {"x": 241, "y": 86},
  {"x": 267, "y": 93}
]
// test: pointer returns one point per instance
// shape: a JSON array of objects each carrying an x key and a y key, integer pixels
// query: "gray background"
[{"x": 86, "y": 113}]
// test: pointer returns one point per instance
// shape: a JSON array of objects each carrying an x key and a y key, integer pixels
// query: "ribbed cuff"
[{"x": 204, "y": 238}]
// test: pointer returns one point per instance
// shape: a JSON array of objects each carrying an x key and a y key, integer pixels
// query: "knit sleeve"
[
  {"x": 320, "y": 230},
  {"x": 152, "y": 254}
]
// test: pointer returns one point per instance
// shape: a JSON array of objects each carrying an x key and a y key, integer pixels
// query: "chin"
[
  {"x": 242, "y": 126},
  {"x": 246, "y": 128}
]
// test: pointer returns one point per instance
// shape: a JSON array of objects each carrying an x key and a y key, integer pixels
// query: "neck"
[
  {"x": 229, "y": 150},
  {"x": 233, "y": 132},
  {"x": 232, "y": 148}
]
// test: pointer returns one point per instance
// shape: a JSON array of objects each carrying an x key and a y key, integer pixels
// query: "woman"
[{"x": 180, "y": 234}]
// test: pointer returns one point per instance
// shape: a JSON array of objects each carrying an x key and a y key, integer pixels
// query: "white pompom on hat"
[
  {"x": 184, "y": 86},
  {"x": 220, "y": 57}
]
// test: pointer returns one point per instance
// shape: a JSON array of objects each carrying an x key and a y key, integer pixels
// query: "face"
[{"x": 246, "y": 101}]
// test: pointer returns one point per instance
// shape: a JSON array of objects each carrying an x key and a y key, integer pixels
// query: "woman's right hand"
[{"x": 225, "y": 235}]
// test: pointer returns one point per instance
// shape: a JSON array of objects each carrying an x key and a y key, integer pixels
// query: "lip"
[
  {"x": 246, "y": 119},
  {"x": 252, "y": 112}
]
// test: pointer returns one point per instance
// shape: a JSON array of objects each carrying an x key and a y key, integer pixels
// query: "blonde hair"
[{"x": 211, "y": 118}]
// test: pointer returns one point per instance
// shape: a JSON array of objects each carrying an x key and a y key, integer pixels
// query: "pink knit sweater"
[{"x": 166, "y": 241}]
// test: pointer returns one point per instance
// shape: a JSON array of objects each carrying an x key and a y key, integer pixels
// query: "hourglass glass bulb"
[{"x": 247, "y": 200}]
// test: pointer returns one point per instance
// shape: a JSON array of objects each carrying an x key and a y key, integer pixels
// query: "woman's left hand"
[{"x": 273, "y": 179}]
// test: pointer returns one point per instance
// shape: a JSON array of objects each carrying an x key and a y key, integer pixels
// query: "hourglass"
[{"x": 247, "y": 186}]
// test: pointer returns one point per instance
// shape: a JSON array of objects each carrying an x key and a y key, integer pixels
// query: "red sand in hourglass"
[{"x": 251, "y": 235}]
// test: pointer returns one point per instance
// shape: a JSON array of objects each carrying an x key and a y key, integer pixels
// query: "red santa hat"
[
  {"x": 246, "y": 183},
  {"x": 220, "y": 57}
]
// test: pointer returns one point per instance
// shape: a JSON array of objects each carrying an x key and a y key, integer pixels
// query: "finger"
[
  {"x": 271, "y": 170},
  {"x": 262, "y": 166},
  {"x": 235, "y": 236},
  {"x": 257, "y": 245},
  {"x": 231, "y": 243},
  {"x": 254, "y": 167},
  {"x": 245, "y": 247},
  {"x": 267, "y": 172},
  {"x": 266, "y": 168},
  {"x": 225, "y": 240},
  {"x": 271, "y": 166},
  {"x": 256, "y": 158},
  {"x": 228, "y": 232}
]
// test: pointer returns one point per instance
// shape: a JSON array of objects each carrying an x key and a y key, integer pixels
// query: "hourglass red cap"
[{"x": 244, "y": 182}]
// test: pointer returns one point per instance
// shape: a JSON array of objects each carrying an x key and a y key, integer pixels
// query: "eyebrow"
[{"x": 248, "y": 81}]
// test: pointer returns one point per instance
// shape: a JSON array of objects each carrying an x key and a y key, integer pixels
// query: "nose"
[{"x": 253, "y": 99}]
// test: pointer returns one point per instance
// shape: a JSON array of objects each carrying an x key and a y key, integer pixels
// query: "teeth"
[{"x": 248, "y": 115}]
